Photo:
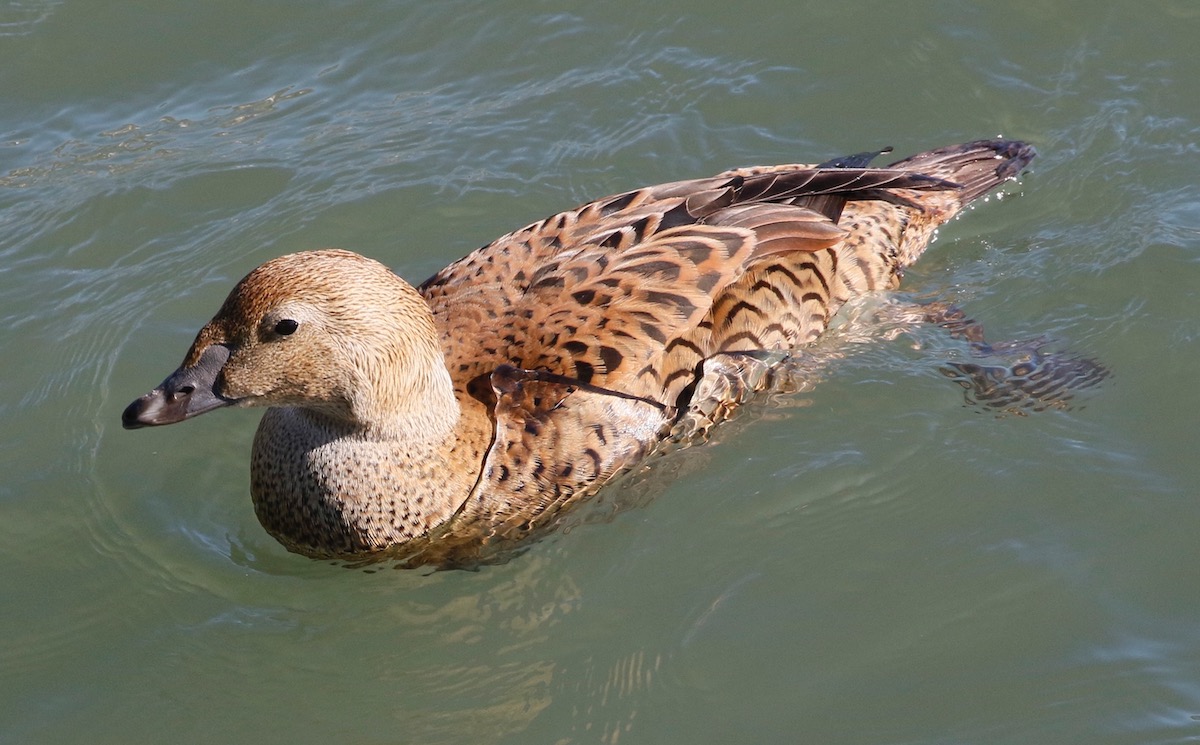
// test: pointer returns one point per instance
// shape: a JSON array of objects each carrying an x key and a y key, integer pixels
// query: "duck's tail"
[
  {"x": 977, "y": 167},
  {"x": 974, "y": 168}
]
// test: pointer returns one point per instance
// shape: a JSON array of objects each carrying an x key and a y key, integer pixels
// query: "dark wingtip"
[{"x": 857, "y": 160}]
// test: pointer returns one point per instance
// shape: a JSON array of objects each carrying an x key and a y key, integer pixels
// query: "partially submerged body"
[{"x": 432, "y": 423}]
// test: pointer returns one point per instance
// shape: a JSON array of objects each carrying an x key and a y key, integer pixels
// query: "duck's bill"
[{"x": 187, "y": 392}]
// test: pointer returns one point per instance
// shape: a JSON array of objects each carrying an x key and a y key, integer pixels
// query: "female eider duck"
[{"x": 430, "y": 423}]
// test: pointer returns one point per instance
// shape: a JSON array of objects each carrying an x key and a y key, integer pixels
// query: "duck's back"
[
  {"x": 596, "y": 292},
  {"x": 585, "y": 336}
]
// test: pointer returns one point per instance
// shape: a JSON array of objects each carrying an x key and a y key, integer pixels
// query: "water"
[{"x": 873, "y": 563}]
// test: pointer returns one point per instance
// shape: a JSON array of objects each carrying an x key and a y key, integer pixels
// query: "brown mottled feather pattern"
[
  {"x": 524, "y": 376},
  {"x": 624, "y": 296}
]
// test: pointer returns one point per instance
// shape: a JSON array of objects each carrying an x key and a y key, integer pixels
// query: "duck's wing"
[
  {"x": 581, "y": 333},
  {"x": 584, "y": 333},
  {"x": 597, "y": 292}
]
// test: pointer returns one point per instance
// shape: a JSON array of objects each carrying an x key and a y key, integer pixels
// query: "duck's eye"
[{"x": 286, "y": 327}]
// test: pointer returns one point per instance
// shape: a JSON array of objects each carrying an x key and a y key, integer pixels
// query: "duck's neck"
[
  {"x": 391, "y": 379},
  {"x": 327, "y": 485},
  {"x": 417, "y": 407}
]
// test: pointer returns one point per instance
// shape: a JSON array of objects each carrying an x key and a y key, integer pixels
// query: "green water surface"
[{"x": 869, "y": 562}]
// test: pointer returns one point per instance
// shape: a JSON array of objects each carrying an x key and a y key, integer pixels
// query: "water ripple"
[{"x": 22, "y": 17}]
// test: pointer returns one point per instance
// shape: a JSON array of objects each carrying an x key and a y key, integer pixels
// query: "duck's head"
[{"x": 329, "y": 331}]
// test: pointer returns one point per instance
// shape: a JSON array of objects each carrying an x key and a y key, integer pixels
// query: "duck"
[{"x": 435, "y": 423}]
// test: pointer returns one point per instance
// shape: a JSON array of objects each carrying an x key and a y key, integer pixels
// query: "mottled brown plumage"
[{"x": 437, "y": 421}]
